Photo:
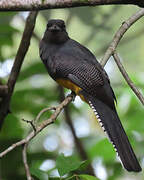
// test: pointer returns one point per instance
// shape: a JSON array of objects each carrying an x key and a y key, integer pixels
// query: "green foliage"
[
  {"x": 6, "y": 31},
  {"x": 16, "y": 129},
  {"x": 43, "y": 1},
  {"x": 104, "y": 149},
  {"x": 67, "y": 164},
  {"x": 34, "y": 90},
  {"x": 87, "y": 177},
  {"x": 39, "y": 174}
]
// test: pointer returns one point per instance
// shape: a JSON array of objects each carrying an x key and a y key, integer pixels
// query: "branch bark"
[
  {"x": 112, "y": 47},
  {"x": 126, "y": 77},
  {"x": 22, "y": 50},
  {"x": 24, "y": 156},
  {"x": 3, "y": 90},
  {"x": 124, "y": 41},
  {"x": 39, "y": 128},
  {"x": 119, "y": 34},
  {"x": 31, "y": 5}
]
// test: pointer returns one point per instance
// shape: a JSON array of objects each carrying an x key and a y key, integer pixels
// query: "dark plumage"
[{"x": 75, "y": 67}]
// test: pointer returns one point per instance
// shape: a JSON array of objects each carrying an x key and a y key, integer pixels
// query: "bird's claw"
[{"x": 73, "y": 95}]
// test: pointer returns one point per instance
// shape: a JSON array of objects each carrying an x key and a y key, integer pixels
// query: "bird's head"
[
  {"x": 56, "y": 31},
  {"x": 56, "y": 25}
]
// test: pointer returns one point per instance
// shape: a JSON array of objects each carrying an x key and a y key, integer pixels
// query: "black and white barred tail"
[{"x": 112, "y": 126}]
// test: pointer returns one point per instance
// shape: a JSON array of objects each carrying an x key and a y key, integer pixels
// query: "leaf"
[
  {"x": 83, "y": 165},
  {"x": 103, "y": 149},
  {"x": 6, "y": 31},
  {"x": 87, "y": 177},
  {"x": 55, "y": 178},
  {"x": 36, "y": 68},
  {"x": 43, "y": 1},
  {"x": 41, "y": 175},
  {"x": 67, "y": 164},
  {"x": 11, "y": 128}
]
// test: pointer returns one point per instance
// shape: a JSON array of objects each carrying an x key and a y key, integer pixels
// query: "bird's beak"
[{"x": 54, "y": 28}]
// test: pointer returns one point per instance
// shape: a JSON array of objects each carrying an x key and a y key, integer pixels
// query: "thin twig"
[
  {"x": 31, "y": 122},
  {"x": 119, "y": 34},
  {"x": 44, "y": 124},
  {"x": 22, "y": 50},
  {"x": 126, "y": 77},
  {"x": 43, "y": 111},
  {"x": 124, "y": 41},
  {"x": 24, "y": 155},
  {"x": 31, "y": 5}
]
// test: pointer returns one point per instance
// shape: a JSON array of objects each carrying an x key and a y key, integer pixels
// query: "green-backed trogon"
[{"x": 73, "y": 66}]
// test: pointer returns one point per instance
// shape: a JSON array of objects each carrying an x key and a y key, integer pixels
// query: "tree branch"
[
  {"x": 126, "y": 77},
  {"x": 31, "y": 5},
  {"x": 3, "y": 90},
  {"x": 22, "y": 50},
  {"x": 128, "y": 39},
  {"x": 119, "y": 34},
  {"x": 39, "y": 128},
  {"x": 24, "y": 155}
]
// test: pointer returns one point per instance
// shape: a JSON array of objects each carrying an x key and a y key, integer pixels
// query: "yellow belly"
[{"x": 70, "y": 85}]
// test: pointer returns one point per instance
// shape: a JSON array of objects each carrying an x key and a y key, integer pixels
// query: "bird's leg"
[{"x": 73, "y": 95}]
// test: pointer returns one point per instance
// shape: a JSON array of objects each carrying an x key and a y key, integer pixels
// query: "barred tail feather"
[{"x": 111, "y": 124}]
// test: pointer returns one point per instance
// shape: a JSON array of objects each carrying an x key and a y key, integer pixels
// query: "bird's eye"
[
  {"x": 48, "y": 25},
  {"x": 63, "y": 25}
]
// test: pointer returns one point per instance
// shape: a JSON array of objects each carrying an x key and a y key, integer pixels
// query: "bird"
[{"x": 74, "y": 67}]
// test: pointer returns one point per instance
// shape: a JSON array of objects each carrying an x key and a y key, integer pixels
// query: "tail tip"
[{"x": 134, "y": 169}]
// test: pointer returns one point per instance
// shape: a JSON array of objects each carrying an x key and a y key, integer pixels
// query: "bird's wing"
[
  {"x": 85, "y": 75},
  {"x": 86, "y": 54}
]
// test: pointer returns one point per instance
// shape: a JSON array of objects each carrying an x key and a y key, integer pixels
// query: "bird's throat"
[{"x": 59, "y": 37}]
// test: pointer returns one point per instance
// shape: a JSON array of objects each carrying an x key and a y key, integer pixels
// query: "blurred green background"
[{"x": 93, "y": 27}]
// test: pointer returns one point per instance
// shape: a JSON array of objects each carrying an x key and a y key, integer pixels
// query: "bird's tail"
[{"x": 111, "y": 124}]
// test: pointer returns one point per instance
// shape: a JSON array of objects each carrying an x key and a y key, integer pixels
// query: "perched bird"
[{"x": 74, "y": 67}]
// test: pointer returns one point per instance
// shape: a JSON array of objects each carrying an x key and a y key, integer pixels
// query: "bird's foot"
[{"x": 73, "y": 95}]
